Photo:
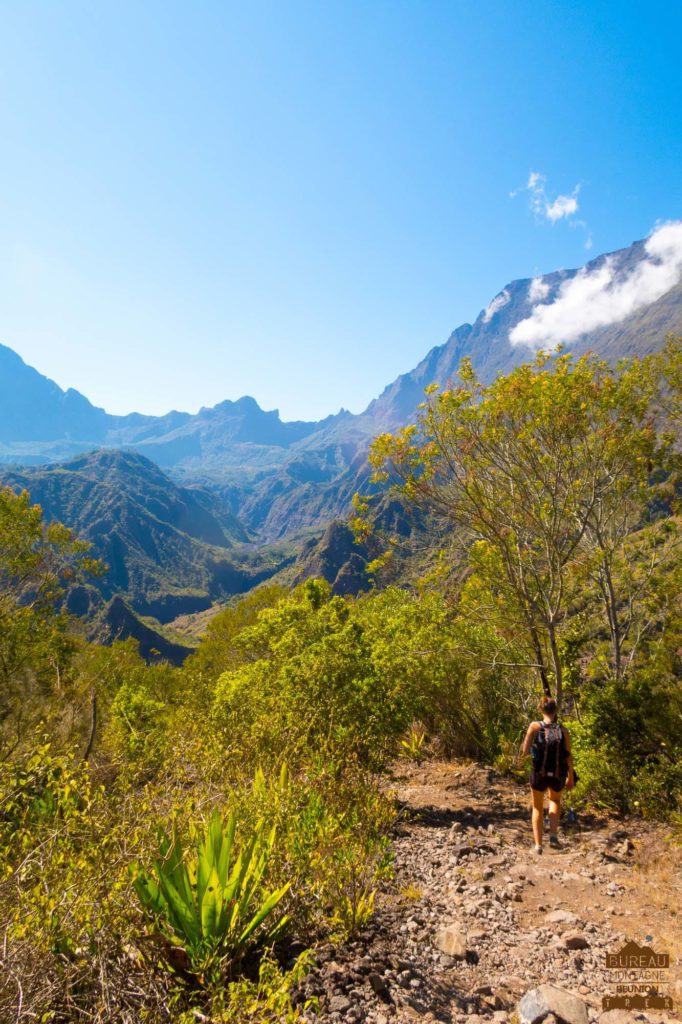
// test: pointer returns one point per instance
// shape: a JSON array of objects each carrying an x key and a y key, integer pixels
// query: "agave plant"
[
  {"x": 213, "y": 904},
  {"x": 413, "y": 747}
]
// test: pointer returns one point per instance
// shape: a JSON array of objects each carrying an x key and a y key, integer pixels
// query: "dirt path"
[{"x": 467, "y": 880}]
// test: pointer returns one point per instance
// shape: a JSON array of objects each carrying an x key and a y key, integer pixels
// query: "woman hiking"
[{"x": 550, "y": 746}]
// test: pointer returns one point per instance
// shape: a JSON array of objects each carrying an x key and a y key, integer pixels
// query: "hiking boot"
[
  {"x": 538, "y": 849},
  {"x": 554, "y": 841}
]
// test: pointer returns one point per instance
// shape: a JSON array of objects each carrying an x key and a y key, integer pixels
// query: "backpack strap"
[
  {"x": 544, "y": 753},
  {"x": 559, "y": 747}
]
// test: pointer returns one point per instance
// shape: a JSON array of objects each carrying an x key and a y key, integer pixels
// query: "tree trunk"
[
  {"x": 93, "y": 725},
  {"x": 558, "y": 669}
]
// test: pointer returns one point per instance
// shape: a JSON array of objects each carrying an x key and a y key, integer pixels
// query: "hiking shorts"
[{"x": 543, "y": 782}]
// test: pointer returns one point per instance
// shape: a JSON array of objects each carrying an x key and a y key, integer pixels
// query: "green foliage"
[
  {"x": 140, "y": 704},
  {"x": 136, "y": 724},
  {"x": 215, "y": 905},
  {"x": 217, "y": 652},
  {"x": 345, "y": 834},
  {"x": 657, "y": 788},
  {"x": 265, "y": 1001},
  {"x": 413, "y": 746},
  {"x": 295, "y": 701},
  {"x": 669, "y": 363},
  {"x": 312, "y": 684},
  {"x": 37, "y": 640},
  {"x": 628, "y": 743},
  {"x": 38, "y": 793},
  {"x": 349, "y": 874},
  {"x": 544, "y": 473},
  {"x": 71, "y": 929}
]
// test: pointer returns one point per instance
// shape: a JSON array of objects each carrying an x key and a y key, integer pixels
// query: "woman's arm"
[{"x": 530, "y": 738}]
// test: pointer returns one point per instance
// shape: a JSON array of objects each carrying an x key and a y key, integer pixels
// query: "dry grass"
[{"x": 655, "y": 891}]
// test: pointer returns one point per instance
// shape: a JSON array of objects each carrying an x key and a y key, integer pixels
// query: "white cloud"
[
  {"x": 561, "y": 207},
  {"x": 599, "y": 297},
  {"x": 496, "y": 305},
  {"x": 538, "y": 290}
]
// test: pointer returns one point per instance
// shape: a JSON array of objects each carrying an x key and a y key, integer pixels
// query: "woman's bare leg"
[
  {"x": 538, "y": 805},
  {"x": 554, "y": 811}
]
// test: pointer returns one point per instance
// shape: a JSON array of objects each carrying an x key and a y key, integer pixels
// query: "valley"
[{"x": 189, "y": 510}]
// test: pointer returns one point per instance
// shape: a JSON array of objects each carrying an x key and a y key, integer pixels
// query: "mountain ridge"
[
  {"x": 243, "y": 420},
  {"x": 169, "y": 549},
  {"x": 284, "y": 478}
]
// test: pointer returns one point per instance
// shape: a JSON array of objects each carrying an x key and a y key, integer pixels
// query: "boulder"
[
  {"x": 575, "y": 940},
  {"x": 617, "y": 1017},
  {"x": 562, "y": 917},
  {"x": 451, "y": 940},
  {"x": 538, "y": 1003}
]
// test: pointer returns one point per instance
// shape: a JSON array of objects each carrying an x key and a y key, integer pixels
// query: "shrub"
[
  {"x": 657, "y": 788},
  {"x": 628, "y": 744},
  {"x": 314, "y": 684}
]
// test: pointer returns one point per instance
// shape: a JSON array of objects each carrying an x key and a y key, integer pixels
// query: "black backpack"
[{"x": 549, "y": 750}]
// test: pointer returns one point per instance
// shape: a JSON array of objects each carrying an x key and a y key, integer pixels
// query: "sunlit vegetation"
[{"x": 176, "y": 841}]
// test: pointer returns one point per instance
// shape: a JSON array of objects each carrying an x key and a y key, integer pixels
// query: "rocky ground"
[{"x": 474, "y": 919}]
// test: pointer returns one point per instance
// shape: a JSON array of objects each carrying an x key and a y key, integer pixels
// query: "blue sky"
[{"x": 297, "y": 200}]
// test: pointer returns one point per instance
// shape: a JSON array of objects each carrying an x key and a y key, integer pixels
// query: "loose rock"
[
  {"x": 537, "y": 1003},
  {"x": 617, "y": 1017},
  {"x": 452, "y": 940},
  {"x": 562, "y": 917},
  {"x": 339, "y": 1004}
]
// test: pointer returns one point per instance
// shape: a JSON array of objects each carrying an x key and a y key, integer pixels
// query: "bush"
[
  {"x": 657, "y": 788},
  {"x": 317, "y": 683},
  {"x": 628, "y": 744}
]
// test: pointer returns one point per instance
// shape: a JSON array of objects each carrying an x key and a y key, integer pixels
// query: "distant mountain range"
[
  {"x": 238, "y": 443},
  {"x": 39, "y": 422},
  {"x": 235, "y": 478},
  {"x": 170, "y": 550}
]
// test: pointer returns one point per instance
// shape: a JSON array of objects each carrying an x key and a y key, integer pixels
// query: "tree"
[
  {"x": 544, "y": 474},
  {"x": 37, "y": 562},
  {"x": 669, "y": 362}
]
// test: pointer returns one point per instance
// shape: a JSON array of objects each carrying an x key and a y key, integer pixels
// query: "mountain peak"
[
  {"x": 8, "y": 357},
  {"x": 35, "y": 408},
  {"x": 118, "y": 459},
  {"x": 244, "y": 404}
]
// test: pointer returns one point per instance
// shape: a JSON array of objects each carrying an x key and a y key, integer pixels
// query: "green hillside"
[
  {"x": 209, "y": 838},
  {"x": 169, "y": 550}
]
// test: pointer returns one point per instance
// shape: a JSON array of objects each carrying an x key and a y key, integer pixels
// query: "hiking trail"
[{"x": 467, "y": 880}]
